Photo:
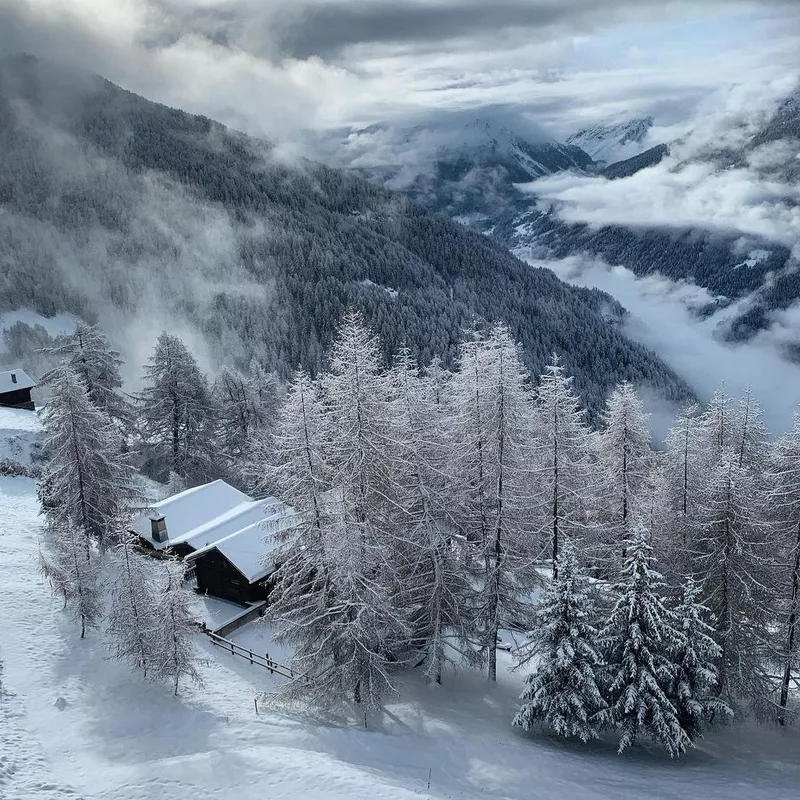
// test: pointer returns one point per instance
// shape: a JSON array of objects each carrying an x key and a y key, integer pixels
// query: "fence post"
[{"x": 251, "y": 656}]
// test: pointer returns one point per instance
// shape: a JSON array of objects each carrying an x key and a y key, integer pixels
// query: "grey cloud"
[{"x": 326, "y": 28}]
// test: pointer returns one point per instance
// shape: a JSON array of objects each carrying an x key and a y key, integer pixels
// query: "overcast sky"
[{"x": 271, "y": 67}]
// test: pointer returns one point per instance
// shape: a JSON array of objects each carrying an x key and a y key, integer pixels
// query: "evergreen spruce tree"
[
  {"x": 563, "y": 450},
  {"x": 174, "y": 656},
  {"x": 563, "y": 692},
  {"x": 695, "y": 674},
  {"x": 636, "y": 640},
  {"x": 88, "y": 481},
  {"x": 176, "y": 414},
  {"x": 491, "y": 469}
]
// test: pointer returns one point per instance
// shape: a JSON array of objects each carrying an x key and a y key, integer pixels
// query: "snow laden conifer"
[
  {"x": 72, "y": 568},
  {"x": 751, "y": 435},
  {"x": 333, "y": 600},
  {"x": 88, "y": 352},
  {"x": 134, "y": 603},
  {"x": 174, "y": 657},
  {"x": 693, "y": 657},
  {"x": 784, "y": 502},
  {"x": 636, "y": 640},
  {"x": 88, "y": 481},
  {"x": 370, "y": 630},
  {"x": 564, "y": 691},
  {"x": 683, "y": 467},
  {"x": 718, "y": 425},
  {"x": 733, "y": 561},
  {"x": 176, "y": 414},
  {"x": 302, "y": 607},
  {"x": 492, "y": 479},
  {"x": 625, "y": 459},
  {"x": 245, "y": 406},
  {"x": 432, "y": 578},
  {"x": 562, "y": 454}
]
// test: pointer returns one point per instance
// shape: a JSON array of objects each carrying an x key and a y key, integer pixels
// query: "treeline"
[
  {"x": 656, "y": 590},
  {"x": 436, "y": 505}
]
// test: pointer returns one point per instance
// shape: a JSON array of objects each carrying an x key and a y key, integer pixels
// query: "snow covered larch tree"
[
  {"x": 176, "y": 414},
  {"x": 636, "y": 640},
  {"x": 134, "y": 603},
  {"x": 562, "y": 454},
  {"x": 493, "y": 480},
  {"x": 433, "y": 584},
  {"x": 733, "y": 560},
  {"x": 625, "y": 459},
  {"x": 245, "y": 406},
  {"x": 72, "y": 567},
  {"x": 683, "y": 467},
  {"x": 174, "y": 656},
  {"x": 88, "y": 481},
  {"x": 88, "y": 352},
  {"x": 564, "y": 691},
  {"x": 784, "y": 503}
]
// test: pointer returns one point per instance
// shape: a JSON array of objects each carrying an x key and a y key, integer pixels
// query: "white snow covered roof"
[
  {"x": 202, "y": 515},
  {"x": 15, "y": 379},
  {"x": 250, "y": 548}
]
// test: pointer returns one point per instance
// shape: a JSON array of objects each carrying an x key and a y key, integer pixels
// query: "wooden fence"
[{"x": 265, "y": 661}]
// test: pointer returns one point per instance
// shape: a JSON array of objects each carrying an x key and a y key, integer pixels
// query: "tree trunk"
[{"x": 790, "y": 643}]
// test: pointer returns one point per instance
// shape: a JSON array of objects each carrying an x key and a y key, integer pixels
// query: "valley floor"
[{"x": 118, "y": 737}]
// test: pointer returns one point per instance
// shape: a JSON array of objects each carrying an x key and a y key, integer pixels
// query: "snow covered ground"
[{"x": 118, "y": 737}]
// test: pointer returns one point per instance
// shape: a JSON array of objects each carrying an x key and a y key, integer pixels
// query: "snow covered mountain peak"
[{"x": 608, "y": 143}]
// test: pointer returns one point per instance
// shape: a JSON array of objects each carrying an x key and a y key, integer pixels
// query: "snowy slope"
[
  {"x": 608, "y": 143},
  {"x": 120, "y": 738}
]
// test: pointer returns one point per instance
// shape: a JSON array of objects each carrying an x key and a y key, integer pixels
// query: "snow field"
[{"x": 119, "y": 737}]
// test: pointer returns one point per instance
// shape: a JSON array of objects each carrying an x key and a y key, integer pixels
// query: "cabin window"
[{"x": 158, "y": 529}]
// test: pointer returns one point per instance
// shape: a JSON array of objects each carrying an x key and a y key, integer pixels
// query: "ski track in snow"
[{"x": 121, "y": 738}]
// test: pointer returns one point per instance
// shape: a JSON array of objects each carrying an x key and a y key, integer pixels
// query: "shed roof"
[
  {"x": 250, "y": 549},
  {"x": 15, "y": 379},
  {"x": 202, "y": 515}
]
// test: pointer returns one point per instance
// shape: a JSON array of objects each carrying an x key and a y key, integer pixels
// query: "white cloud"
[
  {"x": 661, "y": 320},
  {"x": 273, "y": 67},
  {"x": 687, "y": 190}
]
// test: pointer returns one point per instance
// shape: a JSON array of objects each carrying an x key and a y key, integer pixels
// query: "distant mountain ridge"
[
  {"x": 608, "y": 143},
  {"x": 118, "y": 208},
  {"x": 482, "y": 195}
]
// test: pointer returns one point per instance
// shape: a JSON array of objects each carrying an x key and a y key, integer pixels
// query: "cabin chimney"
[
  {"x": 158, "y": 529},
  {"x": 13, "y": 377}
]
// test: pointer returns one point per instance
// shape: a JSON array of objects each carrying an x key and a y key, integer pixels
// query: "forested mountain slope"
[
  {"x": 146, "y": 217},
  {"x": 732, "y": 263}
]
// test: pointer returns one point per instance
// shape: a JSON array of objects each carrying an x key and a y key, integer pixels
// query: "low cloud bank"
[{"x": 661, "y": 319}]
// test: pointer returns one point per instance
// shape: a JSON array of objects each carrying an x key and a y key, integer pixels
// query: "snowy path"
[{"x": 119, "y": 738}]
